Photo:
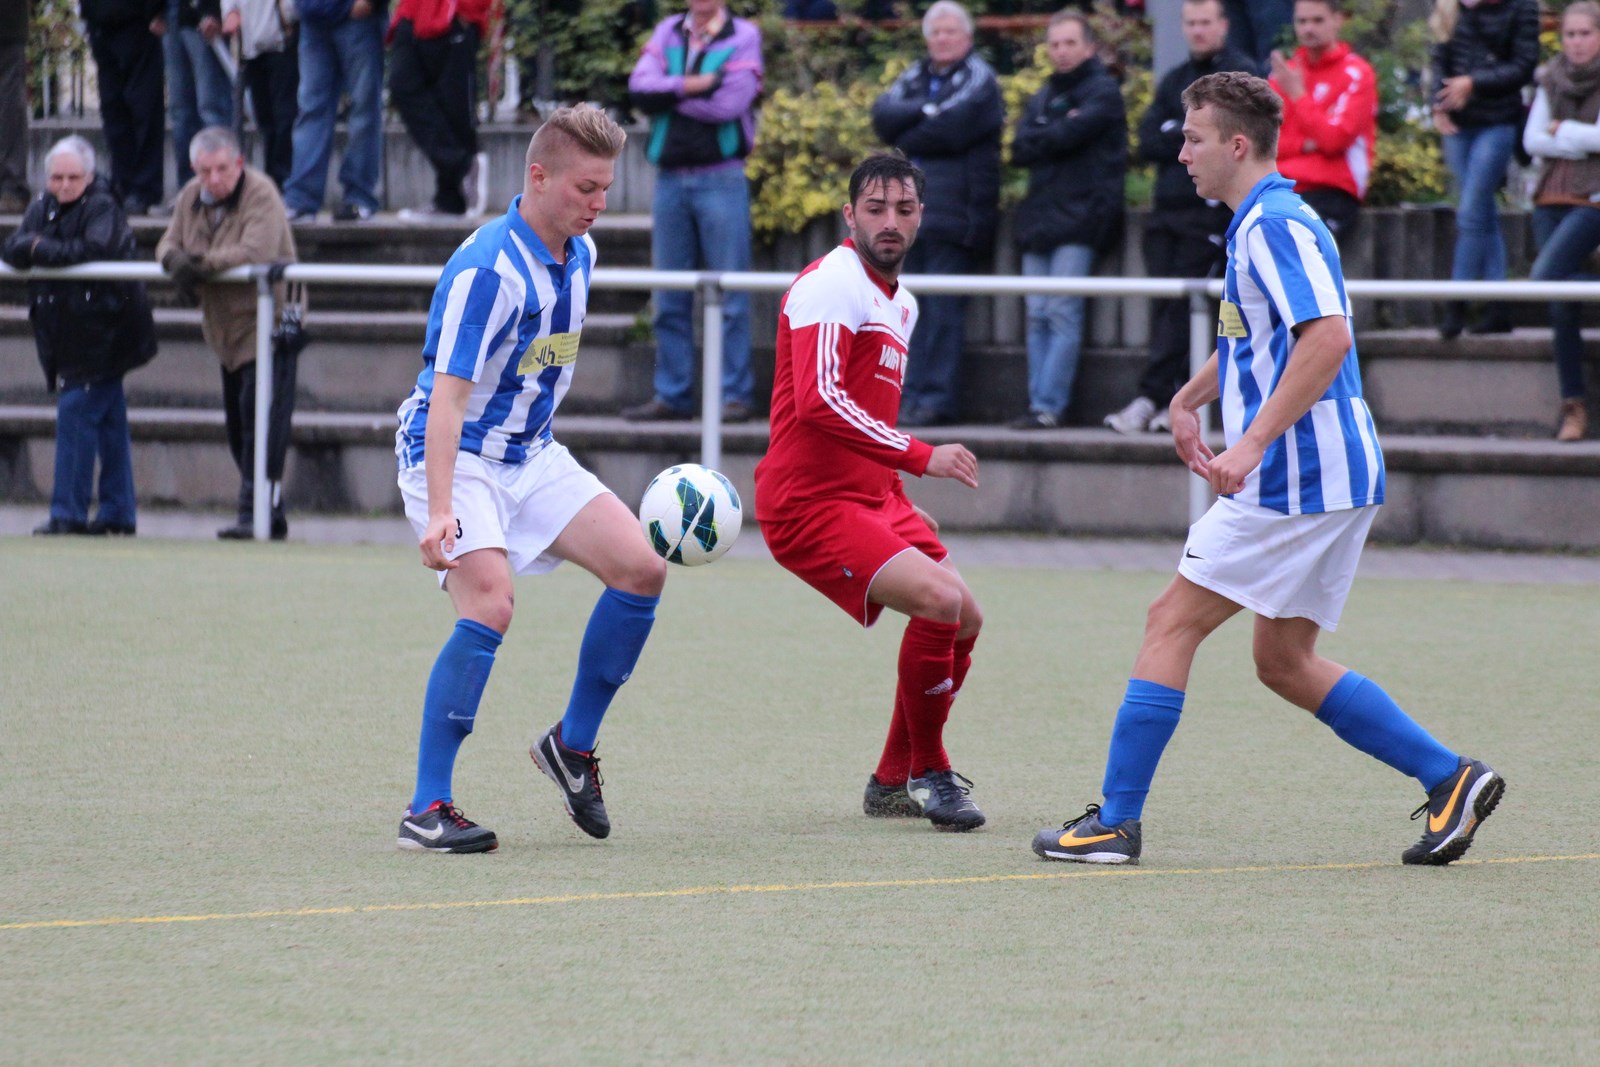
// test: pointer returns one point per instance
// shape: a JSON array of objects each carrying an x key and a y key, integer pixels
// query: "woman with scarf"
[
  {"x": 1563, "y": 132},
  {"x": 89, "y": 334},
  {"x": 1484, "y": 52}
]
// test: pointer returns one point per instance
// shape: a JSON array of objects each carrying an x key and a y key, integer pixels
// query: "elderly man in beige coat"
[{"x": 226, "y": 216}]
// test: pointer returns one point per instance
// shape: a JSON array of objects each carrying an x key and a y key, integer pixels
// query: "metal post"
[
  {"x": 1201, "y": 335},
  {"x": 711, "y": 373},
  {"x": 261, "y": 513}
]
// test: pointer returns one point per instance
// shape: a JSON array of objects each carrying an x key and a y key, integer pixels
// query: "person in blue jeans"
[
  {"x": 698, "y": 79},
  {"x": 199, "y": 93},
  {"x": 1483, "y": 54},
  {"x": 1073, "y": 138},
  {"x": 341, "y": 52},
  {"x": 89, "y": 335},
  {"x": 1563, "y": 130}
]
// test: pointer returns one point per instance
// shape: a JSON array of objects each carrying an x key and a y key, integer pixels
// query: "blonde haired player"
[{"x": 490, "y": 491}]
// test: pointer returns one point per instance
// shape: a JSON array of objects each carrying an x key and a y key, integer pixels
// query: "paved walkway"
[{"x": 995, "y": 549}]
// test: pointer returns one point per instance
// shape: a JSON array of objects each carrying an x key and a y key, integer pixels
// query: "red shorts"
[{"x": 839, "y": 548}]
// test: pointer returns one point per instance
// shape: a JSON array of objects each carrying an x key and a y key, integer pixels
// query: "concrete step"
[{"x": 1447, "y": 490}]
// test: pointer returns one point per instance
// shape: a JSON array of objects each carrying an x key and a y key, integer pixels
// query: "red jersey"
[
  {"x": 1338, "y": 115},
  {"x": 841, "y": 363}
]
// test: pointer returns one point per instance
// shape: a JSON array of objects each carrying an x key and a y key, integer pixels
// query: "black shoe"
[
  {"x": 578, "y": 778},
  {"x": 57, "y": 527},
  {"x": 942, "y": 796},
  {"x": 1455, "y": 808},
  {"x": 115, "y": 529},
  {"x": 1087, "y": 840},
  {"x": 1454, "y": 320},
  {"x": 1034, "y": 420},
  {"x": 655, "y": 410},
  {"x": 888, "y": 801},
  {"x": 442, "y": 828},
  {"x": 736, "y": 411},
  {"x": 353, "y": 213}
]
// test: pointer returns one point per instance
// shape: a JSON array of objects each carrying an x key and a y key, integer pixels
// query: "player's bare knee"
[
  {"x": 643, "y": 575},
  {"x": 941, "y": 602},
  {"x": 1282, "y": 674},
  {"x": 970, "y": 621}
]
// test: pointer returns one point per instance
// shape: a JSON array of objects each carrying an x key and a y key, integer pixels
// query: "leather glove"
[{"x": 186, "y": 276}]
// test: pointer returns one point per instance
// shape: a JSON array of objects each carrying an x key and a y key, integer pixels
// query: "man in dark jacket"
[
  {"x": 89, "y": 334},
  {"x": 945, "y": 113},
  {"x": 1073, "y": 138},
  {"x": 1184, "y": 237},
  {"x": 125, "y": 38}
]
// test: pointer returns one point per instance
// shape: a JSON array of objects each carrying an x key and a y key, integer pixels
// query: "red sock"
[
  {"x": 894, "y": 766},
  {"x": 927, "y": 662},
  {"x": 963, "y": 663}
]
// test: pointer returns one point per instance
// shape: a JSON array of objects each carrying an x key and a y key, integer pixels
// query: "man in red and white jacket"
[
  {"x": 1330, "y": 116},
  {"x": 831, "y": 504},
  {"x": 433, "y": 76}
]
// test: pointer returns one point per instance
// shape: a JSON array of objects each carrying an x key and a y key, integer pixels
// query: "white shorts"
[
  {"x": 1277, "y": 565},
  {"x": 518, "y": 507}
]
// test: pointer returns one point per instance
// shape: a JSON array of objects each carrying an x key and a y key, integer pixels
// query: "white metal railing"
[{"x": 711, "y": 285}]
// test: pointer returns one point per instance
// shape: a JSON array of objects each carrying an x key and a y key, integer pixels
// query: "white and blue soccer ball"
[{"x": 690, "y": 514}]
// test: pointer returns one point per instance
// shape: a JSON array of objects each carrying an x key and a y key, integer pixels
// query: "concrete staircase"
[{"x": 1466, "y": 423}]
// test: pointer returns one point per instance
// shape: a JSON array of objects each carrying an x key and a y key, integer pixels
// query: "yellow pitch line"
[{"x": 727, "y": 890}]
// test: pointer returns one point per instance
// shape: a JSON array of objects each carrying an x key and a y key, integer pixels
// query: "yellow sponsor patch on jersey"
[
  {"x": 1229, "y": 322},
  {"x": 557, "y": 350}
]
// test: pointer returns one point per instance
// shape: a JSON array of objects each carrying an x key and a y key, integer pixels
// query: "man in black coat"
[
  {"x": 1184, "y": 237},
  {"x": 945, "y": 113},
  {"x": 125, "y": 38},
  {"x": 1073, "y": 138}
]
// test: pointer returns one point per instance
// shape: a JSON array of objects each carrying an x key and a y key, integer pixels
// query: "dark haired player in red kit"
[{"x": 831, "y": 505}]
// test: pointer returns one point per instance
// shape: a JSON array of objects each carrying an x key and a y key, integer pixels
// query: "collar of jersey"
[
  {"x": 1261, "y": 188},
  {"x": 520, "y": 227}
]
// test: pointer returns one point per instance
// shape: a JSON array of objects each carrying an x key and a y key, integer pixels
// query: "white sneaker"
[
  {"x": 475, "y": 186},
  {"x": 1161, "y": 423},
  {"x": 1135, "y": 418}
]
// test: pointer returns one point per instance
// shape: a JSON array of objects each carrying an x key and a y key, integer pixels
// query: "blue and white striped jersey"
[
  {"x": 1283, "y": 269},
  {"x": 506, "y": 316}
]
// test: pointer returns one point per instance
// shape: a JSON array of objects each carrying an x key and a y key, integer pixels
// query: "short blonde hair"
[{"x": 584, "y": 128}]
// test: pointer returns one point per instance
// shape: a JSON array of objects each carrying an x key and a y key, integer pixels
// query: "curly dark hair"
[{"x": 886, "y": 167}]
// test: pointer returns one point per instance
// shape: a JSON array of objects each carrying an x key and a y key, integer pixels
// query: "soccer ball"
[{"x": 690, "y": 514}]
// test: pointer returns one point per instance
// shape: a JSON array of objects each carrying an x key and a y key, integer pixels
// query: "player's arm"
[
  {"x": 1184, "y": 412},
  {"x": 447, "y": 410},
  {"x": 1319, "y": 351}
]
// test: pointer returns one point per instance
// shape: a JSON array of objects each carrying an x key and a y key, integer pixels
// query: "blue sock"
[
  {"x": 1145, "y": 721},
  {"x": 612, "y": 642},
  {"x": 449, "y": 707},
  {"x": 1364, "y": 717}
]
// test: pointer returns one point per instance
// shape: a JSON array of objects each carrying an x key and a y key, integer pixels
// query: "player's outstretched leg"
[
  {"x": 1456, "y": 807},
  {"x": 1088, "y": 840}
]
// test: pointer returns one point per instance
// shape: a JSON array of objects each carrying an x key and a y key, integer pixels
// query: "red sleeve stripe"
[{"x": 828, "y": 387}]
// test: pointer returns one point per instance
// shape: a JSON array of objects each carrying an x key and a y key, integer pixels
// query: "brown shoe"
[
  {"x": 736, "y": 411},
  {"x": 655, "y": 410},
  {"x": 1574, "y": 420}
]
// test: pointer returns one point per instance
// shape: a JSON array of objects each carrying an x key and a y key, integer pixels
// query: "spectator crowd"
[{"x": 698, "y": 81}]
